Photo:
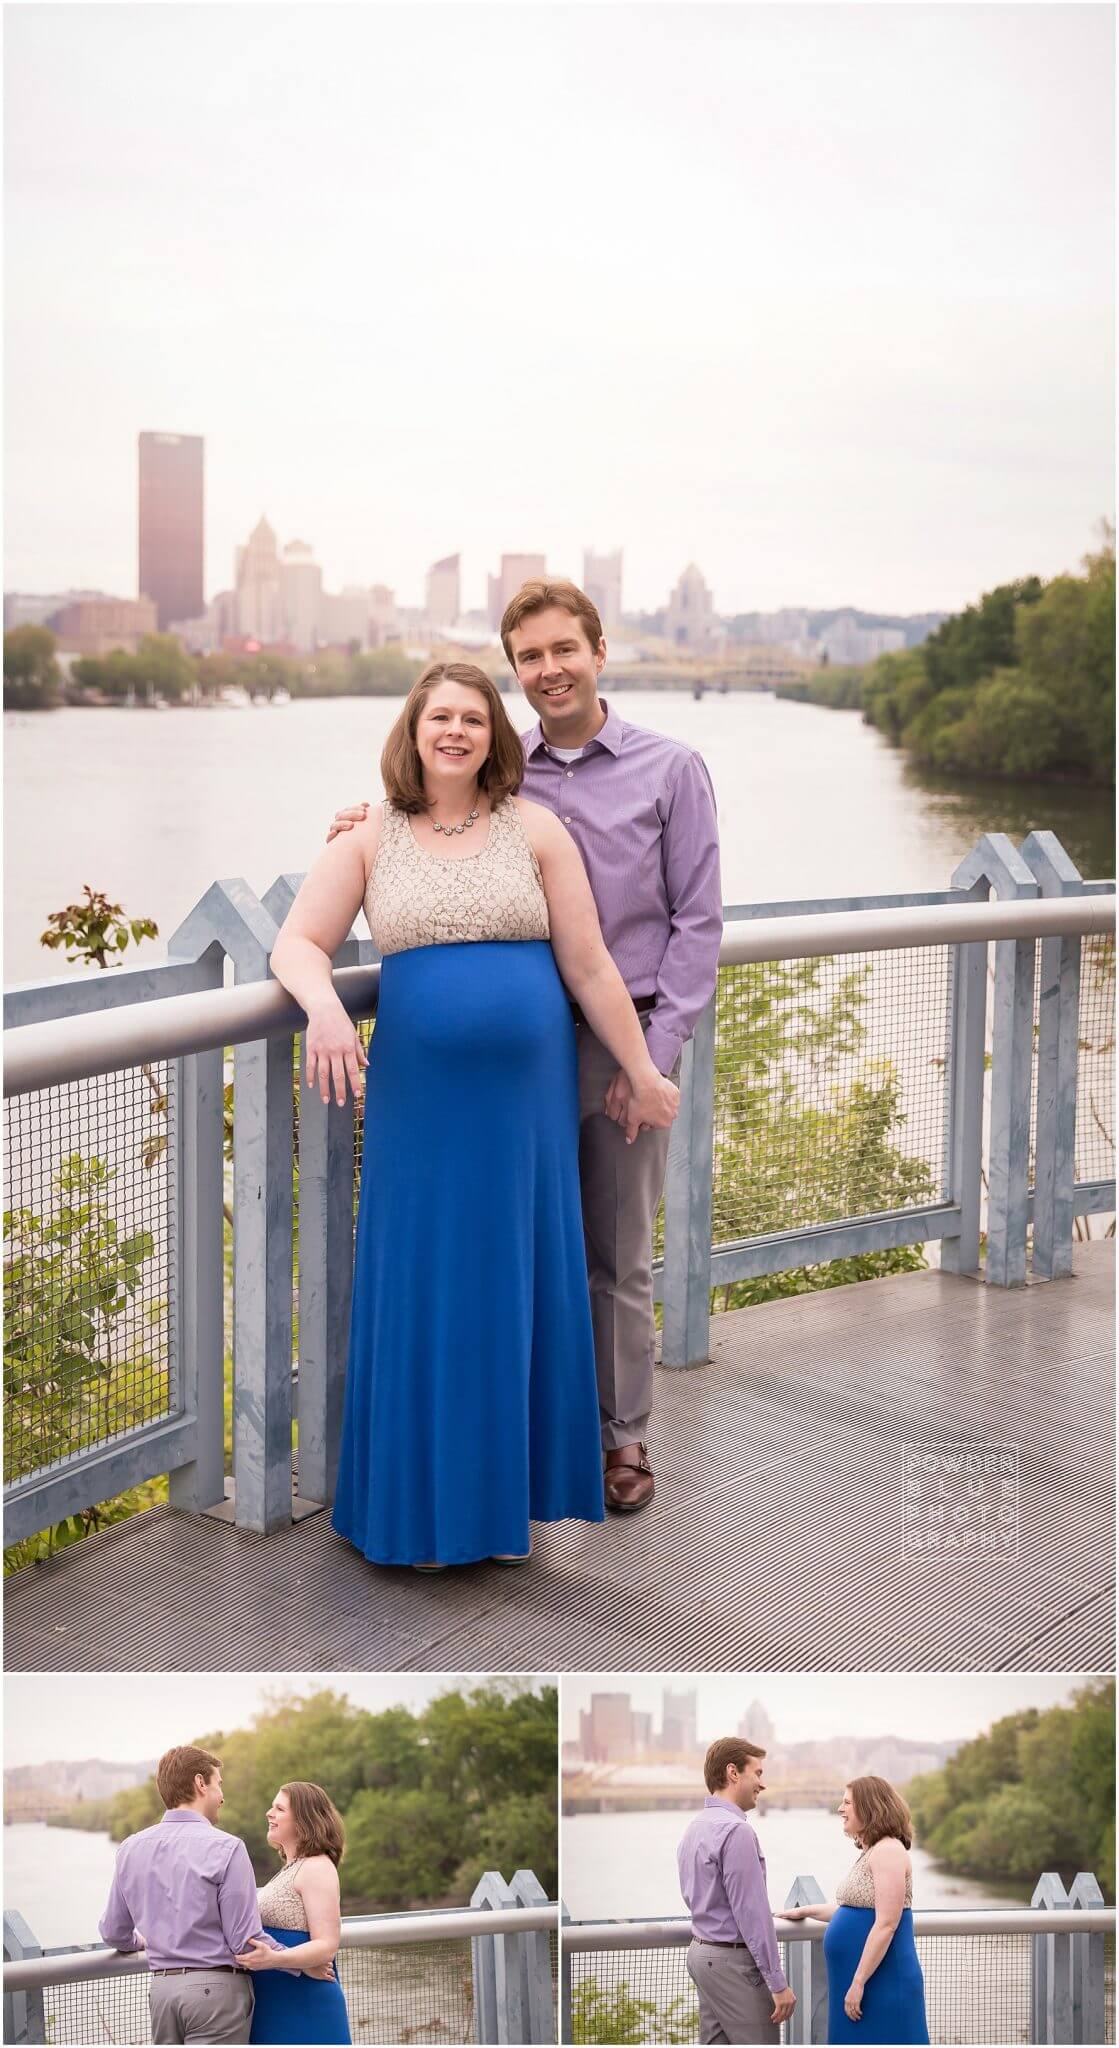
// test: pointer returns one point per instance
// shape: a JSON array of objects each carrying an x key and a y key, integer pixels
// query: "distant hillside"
[{"x": 39, "y": 1791}]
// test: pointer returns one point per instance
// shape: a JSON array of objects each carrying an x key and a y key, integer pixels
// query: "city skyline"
[
  {"x": 844, "y": 389},
  {"x": 930, "y": 1706}
]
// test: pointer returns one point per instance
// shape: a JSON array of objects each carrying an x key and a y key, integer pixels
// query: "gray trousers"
[
  {"x": 202, "y": 2005},
  {"x": 735, "y": 2001},
  {"x": 621, "y": 1188}
]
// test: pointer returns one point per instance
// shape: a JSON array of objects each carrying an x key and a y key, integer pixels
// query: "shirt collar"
[
  {"x": 609, "y": 735},
  {"x": 716, "y": 1799},
  {"x": 185, "y": 1813}
]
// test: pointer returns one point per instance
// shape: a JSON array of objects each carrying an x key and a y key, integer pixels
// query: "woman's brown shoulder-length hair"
[
  {"x": 320, "y": 1829},
  {"x": 401, "y": 771},
  {"x": 880, "y": 1811}
]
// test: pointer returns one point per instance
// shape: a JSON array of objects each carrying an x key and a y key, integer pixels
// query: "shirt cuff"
[
  {"x": 777, "y": 1983},
  {"x": 664, "y": 1047}
]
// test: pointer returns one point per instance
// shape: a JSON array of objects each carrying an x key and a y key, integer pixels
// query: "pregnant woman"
[
  {"x": 876, "y": 1991},
  {"x": 300, "y": 1909},
  {"x": 471, "y": 1396}
]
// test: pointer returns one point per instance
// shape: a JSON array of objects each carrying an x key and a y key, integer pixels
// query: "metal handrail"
[
  {"x": 380, "y": 1931},
  {"x": 591, "y": 1936},
  {"x": 74, "y": 1048}
]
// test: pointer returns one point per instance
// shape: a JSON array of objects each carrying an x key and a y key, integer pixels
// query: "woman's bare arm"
[{"x": 314, "y": 928}]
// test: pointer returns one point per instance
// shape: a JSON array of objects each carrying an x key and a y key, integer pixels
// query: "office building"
[
  {"x": 301, "y": 583},
  {"x": 444, "y": 595},
  {"x": 606, "y": 1727},
  {"x": 97, "y": 625},
  {"x": 258, "y": 582},
  {"x": 690, "y": 621},
  {"x": 678, "y": 1723},
  {"x": 756, "y": 1726},
  {"x": 515, "y": 570},
  {"x": 171, "y": 535},
  {"x": 602, "y": 581}
]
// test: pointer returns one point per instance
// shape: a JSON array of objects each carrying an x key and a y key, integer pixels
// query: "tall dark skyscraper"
[{"x": 171, "y": 525}]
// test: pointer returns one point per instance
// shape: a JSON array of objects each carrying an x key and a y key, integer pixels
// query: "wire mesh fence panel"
[
  {"x": 99, "y": 2009},
  {"x": 642, "y": 1994},
  {"x": 1095, "y": 1090},
  {"x": 977, "y": 1986},
  {"x": 89, "y": 1264},
  {"x": 977, "y": 1990},
  {"x": 830, "y": 1096},
  {"x": 419, "y": 1991}
]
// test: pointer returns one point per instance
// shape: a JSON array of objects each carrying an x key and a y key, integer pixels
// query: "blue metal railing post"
[
  {"x": 1051, "y": 1968},
  {"x": 326, "y": 1257},
  {"x": 499, "y": 2015},
  {"x": 1057, "y": 1057},
  {"x": 24, "y": 2011},
  {"x": 685, "y": 1333},
  {"x": 807, "y": 1973},
  {"x": 262, "y": 1227},
  {"x": 195, "y": 1114},
  {"x": 536, "y": 1962},
  {"x": 996, "y": 861},
  {"x": 965, "y": 1051},
  {"x": 1088, "y": 1978}
]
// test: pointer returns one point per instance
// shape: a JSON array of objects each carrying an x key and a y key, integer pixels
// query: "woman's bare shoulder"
[{"x": 539, "y": 822}]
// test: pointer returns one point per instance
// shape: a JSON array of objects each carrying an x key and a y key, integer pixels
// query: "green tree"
[
  {"x": 95, "y": 932},
  {"x": 68, "y": 1286},
  {"x": 617, "y": 2015},
  {"x": 32, "y": 677},
  {"x": 162, "y": 664}
]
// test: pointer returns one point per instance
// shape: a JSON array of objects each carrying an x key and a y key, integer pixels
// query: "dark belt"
[
  {"x": 642, "y": 1004},
  {"x": 192, "y": 1969},
  {"x": 719, "y": 1944}
]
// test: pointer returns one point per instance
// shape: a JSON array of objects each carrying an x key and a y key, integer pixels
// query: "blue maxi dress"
[
  {"x": 471, "y": 1399},
  {"x": 289, "y": 2007},
  {"x": 893, "y": 2003}
]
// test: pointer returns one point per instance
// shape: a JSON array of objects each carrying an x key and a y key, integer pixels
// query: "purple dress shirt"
[
  {"x": 641, "y": 810},
  {"x": 188, "y": 1889},
  {"x": 722, "y": 1878}
]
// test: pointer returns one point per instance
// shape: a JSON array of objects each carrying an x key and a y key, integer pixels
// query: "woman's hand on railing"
[{"x": 334, "y": 1051}]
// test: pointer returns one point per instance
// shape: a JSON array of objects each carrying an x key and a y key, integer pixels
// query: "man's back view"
[{"x": 187, "y": 1892}]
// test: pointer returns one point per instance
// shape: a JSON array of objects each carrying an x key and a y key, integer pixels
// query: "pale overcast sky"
[
  {"x": 126, "y": 1718},
  {"x": 818, "y": 296},
  {"x": 812, "y": 1707}
]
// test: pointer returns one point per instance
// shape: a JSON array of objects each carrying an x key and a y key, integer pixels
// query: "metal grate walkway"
[{"x": 775, "y": 1541}]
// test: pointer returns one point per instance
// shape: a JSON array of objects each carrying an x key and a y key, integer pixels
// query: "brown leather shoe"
[{"x": 628, "y": 1486}]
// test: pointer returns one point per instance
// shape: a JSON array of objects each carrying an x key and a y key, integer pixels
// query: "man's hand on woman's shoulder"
[{"x": 344, "y": 821}]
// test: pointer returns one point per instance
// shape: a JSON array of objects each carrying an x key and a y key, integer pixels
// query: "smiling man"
[{"x": 641, "y": 809}]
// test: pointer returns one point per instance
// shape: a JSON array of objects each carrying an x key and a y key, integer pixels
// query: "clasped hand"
[{"x": 652, "y": 1107}]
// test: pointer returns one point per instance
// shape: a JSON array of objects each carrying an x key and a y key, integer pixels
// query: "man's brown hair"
[
  {"x": 320, "y": 1830},
  {"x": 502, "y": 772},
  {"x": 537, "y": 596},
  {"x": 880, "y": 1811},
  {"x": 730, "y": 1749},
  {"x": 176, "y": 1771}
]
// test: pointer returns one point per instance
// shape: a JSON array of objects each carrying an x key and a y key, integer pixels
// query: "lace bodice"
[
  {"x": 416, "y": 898},
  {"x": 279, "y": 1901},
  {"x": 857, "y": 1888}
]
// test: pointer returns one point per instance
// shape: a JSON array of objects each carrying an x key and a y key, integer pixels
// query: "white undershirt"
[{"x": 565, "y": 753}]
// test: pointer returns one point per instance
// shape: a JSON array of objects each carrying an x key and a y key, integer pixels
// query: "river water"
[
  {"x": 59, "y": 1879},
  {"x": 622, "y": 1866},
  {"x": 152, "y": 807}
]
